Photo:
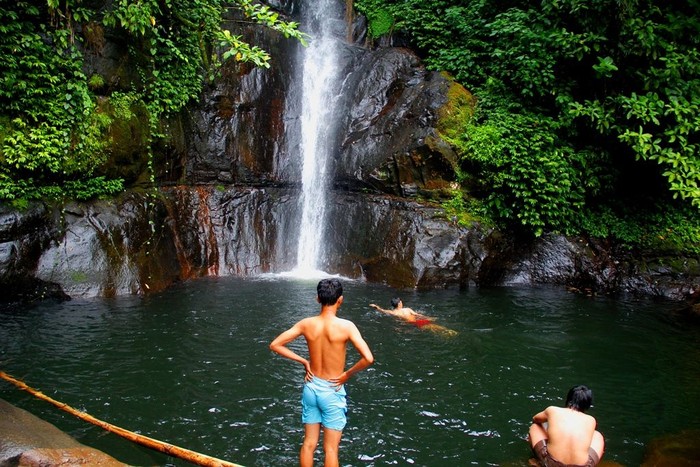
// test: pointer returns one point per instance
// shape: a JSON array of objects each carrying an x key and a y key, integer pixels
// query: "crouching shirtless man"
[{"x": 566, "y": 436}]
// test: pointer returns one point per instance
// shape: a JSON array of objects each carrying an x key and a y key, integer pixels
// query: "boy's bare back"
[
  {"x": 327, "y": 337},
  {"x": 324, "y": 403}
]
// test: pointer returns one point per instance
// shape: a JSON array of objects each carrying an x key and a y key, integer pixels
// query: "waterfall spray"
[{"x": 320, "y": 83}]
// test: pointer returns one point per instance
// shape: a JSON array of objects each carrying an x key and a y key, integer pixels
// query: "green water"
[{"x": 191, "y": 367}]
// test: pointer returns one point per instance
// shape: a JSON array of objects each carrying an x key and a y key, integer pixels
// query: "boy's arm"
[
  {"x": 279, "y": 345},
  {"x": 366, "y": 357}
]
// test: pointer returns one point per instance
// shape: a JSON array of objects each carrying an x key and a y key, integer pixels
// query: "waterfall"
[{"x": 320, "y": 82}]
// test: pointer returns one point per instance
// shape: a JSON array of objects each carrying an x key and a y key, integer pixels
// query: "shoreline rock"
[
  {"x": 28, "y": 441},
  {"x": 140, "y": 244}
]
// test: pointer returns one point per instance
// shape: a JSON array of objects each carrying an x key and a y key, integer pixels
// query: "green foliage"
[
  {"x": 574, "y": 99},
  {"x": 54, "y": 137},
  {"x": 663, "y": 228},
  {"x": 465, "y": 211},
  {"x": 455, "y": 116},
  {"x": 51, "y": 130},
  {"x": 531, "y": 178},
  {"x": 655, "y": 111},
  {"x": 96, "y": 82},
  {"x": 380, "y": 19}
]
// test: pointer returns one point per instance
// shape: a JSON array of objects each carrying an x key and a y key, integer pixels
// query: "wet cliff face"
[
  {"x": 237, "y": 133},
  {"x": 229, "y": 202},
  {"x": 245, "y": 129},
  {"x": 142, "y": 244},
  {"x": 388, "y": 136}
]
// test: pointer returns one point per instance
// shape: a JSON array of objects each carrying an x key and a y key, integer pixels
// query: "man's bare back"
[
  {"x": 326, "y": 337},
  {"x": 566, "y": 435},
  {"x": 569, "y": 434}
]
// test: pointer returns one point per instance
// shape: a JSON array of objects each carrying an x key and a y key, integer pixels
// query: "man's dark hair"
[
  {"x": 329, "y": 291},
  {"x": 395, "y": 302},
  {"x": 579, "y": 398}
]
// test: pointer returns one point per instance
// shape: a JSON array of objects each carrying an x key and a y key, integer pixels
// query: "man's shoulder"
[
  {"x": 334, "y": 321},
  {"x": 555, "y": 409}
]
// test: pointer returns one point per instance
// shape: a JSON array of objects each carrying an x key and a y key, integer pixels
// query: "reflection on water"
[{"x": 191, "y": 367}]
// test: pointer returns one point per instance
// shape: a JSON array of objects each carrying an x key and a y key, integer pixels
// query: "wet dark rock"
[
  {"x": 388, "y": 136},
  {"x": 401, "y": 243},
  {"x": 237, "y": 133},
  {"x": 23, "y": 237},
  {"x": 110, "y": 248},
  {"x": 588, "y": 267},
  {"x": 143, "y": 243}
]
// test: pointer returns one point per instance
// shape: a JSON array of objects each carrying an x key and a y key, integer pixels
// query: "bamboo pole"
[{"x": 182, "y": 453}]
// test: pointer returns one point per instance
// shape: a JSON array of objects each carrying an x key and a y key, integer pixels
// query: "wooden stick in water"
[{"x": 182, "y": 453}]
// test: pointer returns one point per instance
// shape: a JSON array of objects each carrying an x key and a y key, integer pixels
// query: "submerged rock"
[
  {"x": 675, "y": 450},
  {"x": 27, "y": 441}
]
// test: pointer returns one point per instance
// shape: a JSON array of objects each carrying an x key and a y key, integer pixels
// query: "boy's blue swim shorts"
[{"x": 322, "y": 403}]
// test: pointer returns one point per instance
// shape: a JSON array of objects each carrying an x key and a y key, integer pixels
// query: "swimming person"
[
  {"x": 417, "y": 319},
  {"x": 566, "y": 436},
  {"x": 323, "y": 397}
]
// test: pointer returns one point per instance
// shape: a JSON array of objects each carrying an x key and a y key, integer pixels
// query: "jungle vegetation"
[
  {"x": 55, "y": 121},
  {"x": 586, "y": 118}
]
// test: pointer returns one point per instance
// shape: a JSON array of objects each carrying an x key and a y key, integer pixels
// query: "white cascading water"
[{"x": 320, "y": 83}]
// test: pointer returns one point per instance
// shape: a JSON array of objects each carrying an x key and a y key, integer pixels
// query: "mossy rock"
[
  {"x": 674, "y": 450},
  {"x": 457, "y": 112}
]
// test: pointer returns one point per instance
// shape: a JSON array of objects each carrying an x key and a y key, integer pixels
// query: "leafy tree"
[
  {"x": 53, "y": 129},
  {"x": 50, "y": 128},
  {"x": 580, "y": 103}
]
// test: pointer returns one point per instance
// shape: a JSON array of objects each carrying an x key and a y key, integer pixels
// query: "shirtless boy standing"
[
  {"x": 323, "y": 397},
  {"x": 566, "y": 436}
]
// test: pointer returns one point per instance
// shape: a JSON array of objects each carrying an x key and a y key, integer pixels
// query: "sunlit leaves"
[{"x": 236, "y": 48}]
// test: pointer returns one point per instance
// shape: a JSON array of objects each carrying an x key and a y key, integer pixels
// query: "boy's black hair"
[
  {"x": 579, "y": 398},
  {"x": 395, "y": 302},
  {"x": 329, "y": 291}
]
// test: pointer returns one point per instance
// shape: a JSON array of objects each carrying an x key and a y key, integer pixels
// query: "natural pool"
[{"x": 191, "y": 367}]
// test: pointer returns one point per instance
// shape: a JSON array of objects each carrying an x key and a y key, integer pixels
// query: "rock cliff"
[{"x": 228, "y": 198}]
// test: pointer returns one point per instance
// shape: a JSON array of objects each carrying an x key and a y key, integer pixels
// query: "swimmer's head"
[{"x": 395, "y": 302}]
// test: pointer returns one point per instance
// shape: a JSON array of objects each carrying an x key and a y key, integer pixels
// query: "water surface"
[{"x": 191, "y": 367}]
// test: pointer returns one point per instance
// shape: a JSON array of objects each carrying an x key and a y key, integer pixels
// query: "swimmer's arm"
[
  {"x": 388, "y": 312},
  {"x": 378, "y": 308},
  {"x": 279, "y": 346}
]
